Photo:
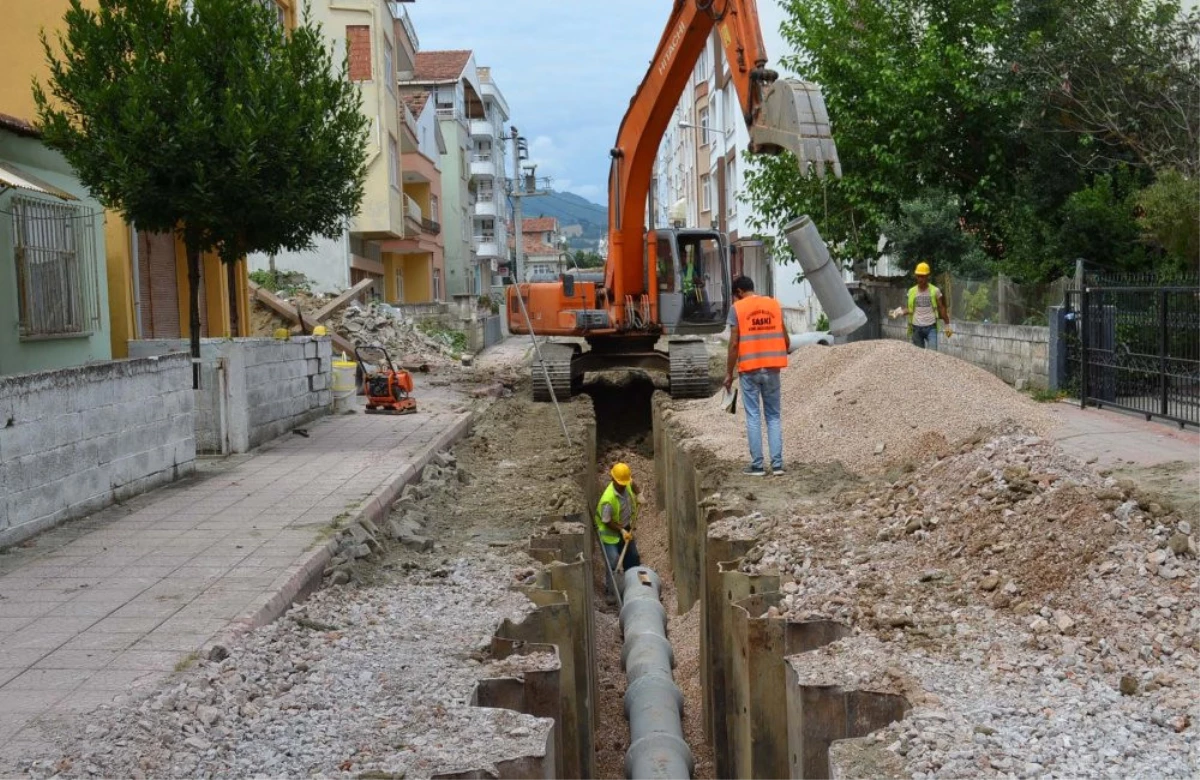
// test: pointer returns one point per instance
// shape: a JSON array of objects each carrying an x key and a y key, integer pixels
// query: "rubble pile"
[
  {"x": 355, "y": 682},
  {"x": 1049, "y": 614},
  {"x": 381, "y": 324}
]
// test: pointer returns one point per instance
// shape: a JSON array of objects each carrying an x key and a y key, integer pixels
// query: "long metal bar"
[
  {"x": 545, "y": 371},
  {"x": 1085, "y": 365}
]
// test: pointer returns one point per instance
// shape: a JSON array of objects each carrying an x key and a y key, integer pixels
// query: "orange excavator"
[{"x": 646, "y": 293}]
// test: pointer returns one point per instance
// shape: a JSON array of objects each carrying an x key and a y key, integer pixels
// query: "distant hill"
[{"x": 570, "y": 209}]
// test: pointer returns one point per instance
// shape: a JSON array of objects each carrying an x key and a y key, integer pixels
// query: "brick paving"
[{"x": 114, "y": 603}]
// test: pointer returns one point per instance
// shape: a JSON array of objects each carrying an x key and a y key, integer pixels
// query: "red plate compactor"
[{"x": 388, "y": 390}]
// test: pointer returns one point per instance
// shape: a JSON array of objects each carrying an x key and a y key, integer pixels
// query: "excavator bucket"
[{"x": 793, "y": 118}]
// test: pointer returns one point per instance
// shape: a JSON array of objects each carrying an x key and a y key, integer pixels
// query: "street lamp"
[{"x": 701, "y": 128}]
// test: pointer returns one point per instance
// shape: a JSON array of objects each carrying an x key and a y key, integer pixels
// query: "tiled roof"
[
  {"x": 440, "y": 65},
  {"x": 539, "y": 225},
  {"x": 534, "y": 246},
  {"x": 416, "y": 101},
  {"x": 18, "y": 126}
]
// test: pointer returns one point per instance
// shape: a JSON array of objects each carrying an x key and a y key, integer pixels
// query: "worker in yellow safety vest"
[
  {"x": 758, "y": 350},
  {"x": 616, "y": 517},
  {"x": 925, "y": 305}
]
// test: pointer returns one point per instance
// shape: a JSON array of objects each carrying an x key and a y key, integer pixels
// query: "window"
[
  {"x": 702, "y": 65},
  {"x": 55, "y": 253},
  {"x": 399, "y": 286},
  {"x": 437, "y": 284},
  {"x": 466, "y": 226},
  {"x": 445, "y": 98},
  {"x": 389, "y": 68},
  {"x": 393, "y": 163},
  {"x": 705, "y": 193},
  {"x": 434, "y": 213},
  {"x": 704, "y": 128},
  {"x": 487, "y": 230},
  {"x": 731, "y": 187}
]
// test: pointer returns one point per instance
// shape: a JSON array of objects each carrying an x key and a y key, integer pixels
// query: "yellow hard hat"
[
  {"x": 621, "y": 474},
  {"x": 320, "y": 331},
  {"x": 922, "y": 269},
  {"x": 282, "y": 334}
]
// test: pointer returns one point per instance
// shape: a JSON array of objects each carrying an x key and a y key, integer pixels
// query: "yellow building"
[{"x": 146, "y": 273}]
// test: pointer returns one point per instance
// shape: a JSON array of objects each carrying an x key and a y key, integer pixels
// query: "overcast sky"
[{"x": 567, "y": 69}]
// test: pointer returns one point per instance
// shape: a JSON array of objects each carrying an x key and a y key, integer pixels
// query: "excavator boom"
[{"x": 666, "y": 281}]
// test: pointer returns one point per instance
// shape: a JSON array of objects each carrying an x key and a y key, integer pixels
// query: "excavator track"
[
  {"x": 558, "y": 359},
  {"x": 689, "y": 369}
]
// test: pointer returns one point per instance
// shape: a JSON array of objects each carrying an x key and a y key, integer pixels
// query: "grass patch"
[
  {"x": 187, "y": 661},
  {"x": 1047, "y": 396},
  {"x": 455, "y": 340}
]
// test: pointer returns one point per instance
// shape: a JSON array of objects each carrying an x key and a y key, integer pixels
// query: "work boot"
[{"x": 754, "y": 471}]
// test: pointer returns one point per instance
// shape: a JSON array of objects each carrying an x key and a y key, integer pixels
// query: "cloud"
[{"x": 567, "y": 70}]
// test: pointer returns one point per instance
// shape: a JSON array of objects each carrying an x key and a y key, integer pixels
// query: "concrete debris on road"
[{"x": 1060, "y": 612}]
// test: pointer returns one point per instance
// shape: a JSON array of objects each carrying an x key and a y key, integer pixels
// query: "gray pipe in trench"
[{"x": 653, "y": 703}]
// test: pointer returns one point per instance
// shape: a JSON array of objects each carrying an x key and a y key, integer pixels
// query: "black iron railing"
[
  {"x": 431, "y": 227},
  {"x": 1136, "y": 348}
]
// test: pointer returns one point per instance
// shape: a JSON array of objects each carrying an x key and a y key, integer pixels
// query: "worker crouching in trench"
[{"x": 616, "y": 518}]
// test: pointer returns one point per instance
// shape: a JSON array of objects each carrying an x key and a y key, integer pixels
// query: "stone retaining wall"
[
  {"x": 76, "y": 440},
  {"x": 252, "y": 390},
  {"x": 1018, "y": 354}
]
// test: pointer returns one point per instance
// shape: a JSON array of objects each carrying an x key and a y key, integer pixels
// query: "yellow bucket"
[{"x": 343, "y": 384}]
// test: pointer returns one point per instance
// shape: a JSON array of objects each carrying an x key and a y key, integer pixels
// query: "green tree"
[
  {"x": 1170, "y": 219},
  {"x": 929, "y": 229},
  {"x": 211, "y": 121},
  {"x": 588, "y": 259}
]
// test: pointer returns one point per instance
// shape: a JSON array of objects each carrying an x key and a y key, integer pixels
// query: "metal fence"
[
  {"x": 55, "y": 249},
  {"x": 1135, "y": 346},
  {"x": 998, "y": 300}
]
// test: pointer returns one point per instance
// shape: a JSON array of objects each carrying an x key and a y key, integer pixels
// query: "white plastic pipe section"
[
  {"x": 824, "y": 276},
  {"x": 653, "y": 703}
]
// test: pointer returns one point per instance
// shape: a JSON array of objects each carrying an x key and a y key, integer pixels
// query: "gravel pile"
[
  {"x": 371, "y": 682},
  {"x": 1042, "y": 618},
  {"x": 870, "y": 404}
]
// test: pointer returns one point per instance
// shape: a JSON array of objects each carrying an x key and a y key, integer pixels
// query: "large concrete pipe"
[
  {"x": 824, "y": 276},
  {"x": 653, "y": 703}
]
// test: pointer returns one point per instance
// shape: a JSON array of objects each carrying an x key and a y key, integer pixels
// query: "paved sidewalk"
[
  {"x": 1157, "y": 455},
  {"x": 116, "y": 602}
]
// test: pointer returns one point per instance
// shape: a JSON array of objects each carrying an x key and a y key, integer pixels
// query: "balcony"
[
  {"x": 430, "y": 227},
  {"x": 483, "y": 165},
  {"x": 485, "y": 206},
  {"x": 482, "y": 128},
  {"x": 486, "y": 246},
  {"x": 413, "y": 216}
]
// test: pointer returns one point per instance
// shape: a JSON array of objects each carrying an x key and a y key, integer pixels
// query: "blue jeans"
[
  {"x": 613, "y": 553},
  {"x": 763, "y": 383},
  {"x": 925, "y": 336}
]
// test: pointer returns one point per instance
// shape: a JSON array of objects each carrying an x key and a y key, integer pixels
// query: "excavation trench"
[
  {"x": 623, "y": 406},
  {"x": 751, "y": 706}
]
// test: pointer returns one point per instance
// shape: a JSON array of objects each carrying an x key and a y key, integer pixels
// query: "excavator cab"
[{"x": 692, "y": 277}]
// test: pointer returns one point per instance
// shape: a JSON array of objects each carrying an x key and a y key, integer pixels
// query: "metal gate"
[{"x": 1136, "y": 346}]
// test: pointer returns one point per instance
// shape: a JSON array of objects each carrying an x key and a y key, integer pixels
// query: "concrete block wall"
[
  {"x": 253, "y": 390},
  {"x": 1018, "y": 354},
  {"x": 76, "y": 440}
]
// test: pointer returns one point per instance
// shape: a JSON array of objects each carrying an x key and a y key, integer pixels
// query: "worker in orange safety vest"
[{"x": 758, "y": 350}]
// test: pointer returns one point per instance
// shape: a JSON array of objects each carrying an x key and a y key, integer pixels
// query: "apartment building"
[
  {"x": 367, "y": 34},
  {"x": 472, "y": 114},
  {"x": 543, "y": 248}
]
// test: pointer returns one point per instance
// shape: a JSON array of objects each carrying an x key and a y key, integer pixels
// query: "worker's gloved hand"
[
  {"x": 896, "y": 312},
  {"x": 626, "y": 535}
]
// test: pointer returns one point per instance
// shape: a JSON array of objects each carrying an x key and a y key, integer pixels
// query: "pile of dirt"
[{"x": 872, "y": 404}]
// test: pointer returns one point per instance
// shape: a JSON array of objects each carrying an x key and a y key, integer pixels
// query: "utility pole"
[{"x": 521, "y": 187}]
